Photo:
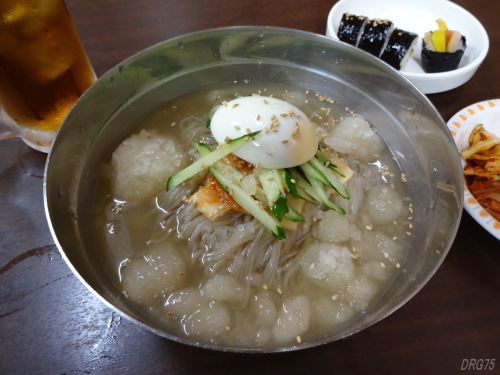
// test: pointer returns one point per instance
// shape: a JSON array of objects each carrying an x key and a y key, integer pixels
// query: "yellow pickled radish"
[
  {"x": 439, "y": 40},
  {"x": 442, "y": 25}
]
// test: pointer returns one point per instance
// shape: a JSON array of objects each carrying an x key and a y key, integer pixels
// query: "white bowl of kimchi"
[{"x": 482, "y": 167}]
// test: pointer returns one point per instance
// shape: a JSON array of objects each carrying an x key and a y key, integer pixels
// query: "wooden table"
[{"x": 51, "y": 324}]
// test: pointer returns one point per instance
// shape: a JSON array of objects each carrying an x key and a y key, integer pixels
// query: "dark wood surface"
[{"x": 51, "y": 324}]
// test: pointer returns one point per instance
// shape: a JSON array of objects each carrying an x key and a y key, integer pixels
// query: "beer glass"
[{"x": 43, "y": 69}]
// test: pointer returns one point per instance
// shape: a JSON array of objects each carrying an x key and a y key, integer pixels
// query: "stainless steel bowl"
[{"x": 403, "y": 116}]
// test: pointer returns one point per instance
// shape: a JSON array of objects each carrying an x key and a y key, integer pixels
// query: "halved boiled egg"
[{"x": 288, "y": 137}]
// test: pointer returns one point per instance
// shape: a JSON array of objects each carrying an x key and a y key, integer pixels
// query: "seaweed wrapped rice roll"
[
  {"x": 375, "y": 35},
  {"x": 442, "y": 50},
  {"x": 351, "y": 28},
  {"x": 399, "y": 48}
]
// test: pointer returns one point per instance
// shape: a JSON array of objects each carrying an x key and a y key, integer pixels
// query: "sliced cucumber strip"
[
  {"x": 327, "y": 162},
  {"x": 311, "y": 171},
  {"x": 318, "y": 188},
  {"x": 334, "y": 181},
  {"x": 203, "y": 149},
  {"x": 294, "y": 216},
  {"x": 208, "y": 160},
  {"x": 303, "y": 184},
  {"x": 275, "y": 194},
  {"x": 303, "y": 195},
  {"x": 290, "y": 186},
  {"x": 248, "y": 203}
]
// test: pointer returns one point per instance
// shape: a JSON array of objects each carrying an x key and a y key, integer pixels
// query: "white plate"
[
  {"x": 419, "y": 16},
  {"x": 461, "y": 125}
]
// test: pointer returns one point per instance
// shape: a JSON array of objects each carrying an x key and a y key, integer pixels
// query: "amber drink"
[{"x": 43, "y": 66}]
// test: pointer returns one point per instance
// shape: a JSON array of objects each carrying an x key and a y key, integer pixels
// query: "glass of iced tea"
[{"x": 43, "y": 69}]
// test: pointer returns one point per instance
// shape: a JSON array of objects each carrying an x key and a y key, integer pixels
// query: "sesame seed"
[
  {"x": 273, "y": 117},
  {"x": 311, "y": 266},
  {"x": 269, "y": 153},
  {"x": 237, "y": 127},
  {"x": 284, "y": 115},
  {"x": 382, "y": 264},
  {"x": 172, "y": 124},
  {"x": 224, "y": 103},
  {"x": 266, "y": 130},
  {"x": 227, "y": 139},
  {"x": 258, "y": 117},
  {"x": 410, "y": 226},
  {"x": 264, "y": 286},
  {"x": 284, "y": 141},
  {"x": 168, "y": 315},
  {"x": 292, "y": 181},
  {"x": 408, "y": 233},
  {"x": 228, "y": 328},
  {"x": 246, "y": 138},
  {"x": 369, "y": 227},
  {"x": 335, "y": 297},
  {"x": 274, "y": 130},
  {"x": 395, "y": 222},
  {"x": 299, "y": 339},
  {"x": 386, "y": 254},
  {"x": 235, "y": 105},
  {"x": 279, "y": 290},
  {"x": 398, "y": 265},
  {"x": 245, "y": 80},
  {"x": 439, "y": 252},
  {"x": 305, "y": 225},
  {"x": 394, "y": 238},
  {"x": 265, "y": 101},
  {"x": 248, "y": 130},
  {"x": 149, "y": 242}
]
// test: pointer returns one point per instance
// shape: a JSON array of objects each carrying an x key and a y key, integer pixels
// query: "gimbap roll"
[
  {"x": 399, "y": 48},
  {"x": 350, "y": 28},
  {"x": 375, "y": 35},
  {"x": 442, "y": 49}
]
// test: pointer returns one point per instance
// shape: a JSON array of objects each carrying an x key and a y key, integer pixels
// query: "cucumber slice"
[
  {"x": 303, "y": 184},
  {"x": 310, "y": 171},
  {"x": 290, "y": 186},
  {"x": 209, "y": 159},
  {"x": 303, "y": 195},
  {"x": 318, "y": 188},
  {"x": 275, "y": 194},
  {"x": 294, "y": 216},
  {"x": 246, "y": 201},
  {"x": 203, "y": 149},
  {"x": 334, "y": 181},
  {"x": 326, "y": 160}
]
